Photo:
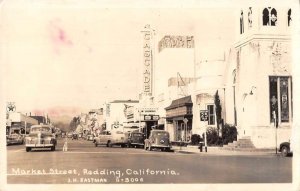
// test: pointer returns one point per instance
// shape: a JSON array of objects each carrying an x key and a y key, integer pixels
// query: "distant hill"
[{"x": 61, "y": 116}]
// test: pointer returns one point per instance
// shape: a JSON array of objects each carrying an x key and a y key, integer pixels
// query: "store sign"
[
  {"x": 148, "y": 111},
  {"x": 176, "y": 42},
  {"x": 151, "y": 117},
  {"x": 147, "y": 117},
  {"x": 10, "y": 107},
  {"x": 203, "y": 115},
  {"x": 107, "y": 109},
  {"x": 155, "y": 117},
  {"x": 147, "y": 61}
]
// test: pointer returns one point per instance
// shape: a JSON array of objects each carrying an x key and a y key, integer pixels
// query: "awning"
[{"x": 185, "y": 101}]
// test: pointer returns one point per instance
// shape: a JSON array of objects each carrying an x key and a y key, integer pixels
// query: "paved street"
[{"x": 85, "y": 163}]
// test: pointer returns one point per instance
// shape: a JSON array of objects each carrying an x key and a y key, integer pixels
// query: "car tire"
[
  {"x": 28, "y": 149},
  {"x": 284, "y": 151},
  {"x": 109, "y": 144}
]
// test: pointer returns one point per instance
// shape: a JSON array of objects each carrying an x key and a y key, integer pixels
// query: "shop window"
[
  {"x": 289, "y": 17},
  {"x": 242, "y": 23},
  {"x": 280, "y": 99},
  {"x": 211, "y": 114}
]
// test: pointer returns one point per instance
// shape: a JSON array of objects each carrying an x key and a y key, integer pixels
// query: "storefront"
[{"x": 179, "y": 117}]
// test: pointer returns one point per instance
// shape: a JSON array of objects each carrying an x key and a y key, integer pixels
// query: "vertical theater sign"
[{"x": 147, "y": 34}]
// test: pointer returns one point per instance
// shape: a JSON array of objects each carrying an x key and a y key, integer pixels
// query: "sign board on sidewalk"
[{"x": 203, "y": 115}]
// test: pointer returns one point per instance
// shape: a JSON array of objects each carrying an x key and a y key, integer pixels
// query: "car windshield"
[
  {"x": 161, "y": 133},
  {"x": 137, "y": 134},
  {"x": 38, "y": 129}
]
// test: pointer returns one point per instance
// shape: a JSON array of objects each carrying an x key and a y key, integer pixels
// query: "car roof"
[
  {"x": 41, "y": 126},
  {"x": 156, "y": 130}
]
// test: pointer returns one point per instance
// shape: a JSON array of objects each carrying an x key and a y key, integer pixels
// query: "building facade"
[{"x": 259, "y": 77}]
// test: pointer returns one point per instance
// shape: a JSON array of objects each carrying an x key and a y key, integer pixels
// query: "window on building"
[
  {"x": 280, "y": 99},
  {"x": 289, "y": 17},
  {"x": 211, "y": 114},
  {"x": 273, "y": 17},
  {"x": 242, "y": 23},
  {"x": 250, "y": 17},
  {"x": 269, "y": 17},
  {"x": 265, "y": 17}
]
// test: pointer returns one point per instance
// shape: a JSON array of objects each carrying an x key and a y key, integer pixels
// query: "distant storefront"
[{"x": 179, "y": 117}]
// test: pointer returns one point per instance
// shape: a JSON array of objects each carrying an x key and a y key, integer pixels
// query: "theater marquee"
[
  {"x": 170, "y": 41},
  {"x": 147, "y": 60}
]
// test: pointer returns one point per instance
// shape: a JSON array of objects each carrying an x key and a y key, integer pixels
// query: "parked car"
[
  {"x": 285, "y": 149},
  {"x": 158, "y": 139},
  {"x": 69, "y": 135},
  {"x": 74, "y": 136},
  {"x": 14, "y": 139},
  {"x": 90, "y": 137},
  {"x": 111, "y": 138},
  {"x": 135, "y": 139},
  {"x": 40, "y": 136}
]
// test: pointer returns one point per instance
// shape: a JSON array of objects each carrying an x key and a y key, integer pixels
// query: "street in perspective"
[
  {"x": 84, "y": 163},
  {"x": 148, "y": 95}
]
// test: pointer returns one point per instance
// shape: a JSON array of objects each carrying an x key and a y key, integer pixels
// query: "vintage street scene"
[{"x": 135, "y": 94}]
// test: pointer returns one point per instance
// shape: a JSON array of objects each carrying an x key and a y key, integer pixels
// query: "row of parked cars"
[{"x": 158, "y": 139}]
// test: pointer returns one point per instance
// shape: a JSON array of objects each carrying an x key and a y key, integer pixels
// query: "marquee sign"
[
  {"x": 169, "y": 41},
  {"x": 147, "y": 60}
]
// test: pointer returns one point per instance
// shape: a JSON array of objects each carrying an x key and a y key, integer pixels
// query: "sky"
[{"x": 80, "y": 54}]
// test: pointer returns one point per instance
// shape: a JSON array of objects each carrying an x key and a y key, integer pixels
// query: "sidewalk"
[{"x": 222, "y": 151}]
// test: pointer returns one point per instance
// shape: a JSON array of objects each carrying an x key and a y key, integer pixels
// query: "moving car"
[
  {"x": 158, "y": 139},
  {"x": 110, "y": 138},
  {"x": 285, "y": 149},
  {"x": 40, "y": 136},
  {"x": 14, "y": 139},
  {"x": 135, "y": 139}
]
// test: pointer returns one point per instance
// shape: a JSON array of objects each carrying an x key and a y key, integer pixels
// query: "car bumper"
[
  {"x": 39, "y": 145},
  {"x": 161, "y": 146}
]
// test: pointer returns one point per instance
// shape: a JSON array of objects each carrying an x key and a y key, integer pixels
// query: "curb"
[{"x": 228, "y": 153}]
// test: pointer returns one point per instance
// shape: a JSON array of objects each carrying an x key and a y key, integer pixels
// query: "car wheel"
[
  {"x": 28, "y": 149},
  {"x": 284, "y": 151},
  {"x": 109, "y": 144}
]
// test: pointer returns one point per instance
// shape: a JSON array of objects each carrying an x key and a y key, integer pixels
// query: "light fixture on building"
[{"x": 252, "y": 88}]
